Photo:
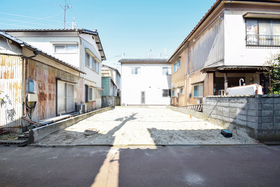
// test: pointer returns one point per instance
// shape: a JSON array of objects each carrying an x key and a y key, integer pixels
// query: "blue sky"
[{"x": 132, "y": 27}]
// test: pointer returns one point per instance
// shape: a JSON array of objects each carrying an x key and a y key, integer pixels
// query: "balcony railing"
[{"x": 263, "y": 40}]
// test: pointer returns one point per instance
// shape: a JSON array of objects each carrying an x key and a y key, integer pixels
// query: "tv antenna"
[{"x": 64, "y": 7}]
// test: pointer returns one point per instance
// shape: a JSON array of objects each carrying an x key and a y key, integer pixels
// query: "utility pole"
[{"x": 64, "y": 7}]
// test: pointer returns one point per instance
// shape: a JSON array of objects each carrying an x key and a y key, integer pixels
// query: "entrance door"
[{"x": 142, "y": 97}]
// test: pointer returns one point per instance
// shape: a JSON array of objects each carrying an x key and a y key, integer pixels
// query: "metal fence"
[
  {"x": 198, "y": 107},
  {"x": 263, "y": 40}
]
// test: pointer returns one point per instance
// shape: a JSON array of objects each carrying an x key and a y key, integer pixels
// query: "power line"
[
  {"x": 27, "y": 16},
  {"x": 64, "y": 7},
  {"x": 16, "y": 25},
  {"x": 25, "y": 22}
]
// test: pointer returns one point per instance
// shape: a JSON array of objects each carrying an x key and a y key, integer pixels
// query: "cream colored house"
[{"x": 231, "y": 42}]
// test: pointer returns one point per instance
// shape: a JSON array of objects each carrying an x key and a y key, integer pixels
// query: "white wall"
[
  {"x": 91, "y": 75},
  {"x": 150, "y": 80},
  {"x": 236, "y": 51},
  {"x": 46, "y": 44}
]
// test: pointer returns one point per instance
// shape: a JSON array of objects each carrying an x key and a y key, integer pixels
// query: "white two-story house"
[
  {"x": 81, "y": 48},
  {"x": 145, "y": 81}
]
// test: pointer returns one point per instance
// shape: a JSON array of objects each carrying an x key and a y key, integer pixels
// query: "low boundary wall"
[
  {"x": 41, "y": 132},
  {"x": 259, "y": 114}
]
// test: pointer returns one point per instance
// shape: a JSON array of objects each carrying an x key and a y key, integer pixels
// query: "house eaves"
[
  {"x": 24, "y": 44},
  {"x": 210, "y": 11},
  {"x": 104, "y": 65},
  {"x": 144, "y": 61},
  {"x": 80, "y": 31}
]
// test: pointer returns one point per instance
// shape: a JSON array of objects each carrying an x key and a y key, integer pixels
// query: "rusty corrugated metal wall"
[
  {"x": 11, "y": 85},
  {"x": 44, "y": 77}
]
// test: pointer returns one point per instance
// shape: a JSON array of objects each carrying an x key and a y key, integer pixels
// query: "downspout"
[{"x": 83, "y": 69}]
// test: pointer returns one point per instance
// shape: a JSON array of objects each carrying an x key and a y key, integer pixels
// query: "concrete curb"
[
  {"x": 41, "y": 132},
  {"x": 146, "y": 145}
]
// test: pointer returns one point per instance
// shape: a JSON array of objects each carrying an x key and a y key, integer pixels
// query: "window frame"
[
  {"x": 200, "y": 95},
  {"x": 164, "y": 95},
  {"x": 182, "y": 91},
  {"x": 177, "y": 65},
  {"x": 134, "y": 71},
  {"x": 65, "y": 49},
  {"x": 271, "y": 40},
  {"x": 93, "y": 64},
  {"x": 174, "y": 93}
]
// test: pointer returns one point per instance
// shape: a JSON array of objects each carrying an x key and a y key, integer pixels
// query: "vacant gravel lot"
[{"x": 139, "y": 125}]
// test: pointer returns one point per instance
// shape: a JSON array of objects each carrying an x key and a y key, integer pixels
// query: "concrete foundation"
[{"x": 41, "y": 132}]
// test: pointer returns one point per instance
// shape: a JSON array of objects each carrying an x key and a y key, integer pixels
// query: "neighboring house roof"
[
  {"x": 144, "y": 60},
  {"x": 104, "y": 65},
  {"x": 81, "y": 31},
  {"x": 211, "y": 10},
  {"x": 24, "y": 44}
]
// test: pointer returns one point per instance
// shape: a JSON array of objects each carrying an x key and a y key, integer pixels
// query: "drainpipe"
[{"x": 82, "y": 68}]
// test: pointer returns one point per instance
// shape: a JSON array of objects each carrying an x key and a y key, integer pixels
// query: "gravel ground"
[{"x": 151, "y": 125}]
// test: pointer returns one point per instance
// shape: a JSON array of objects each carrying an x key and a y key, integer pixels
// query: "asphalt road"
[{"x": 144, "y": 166}]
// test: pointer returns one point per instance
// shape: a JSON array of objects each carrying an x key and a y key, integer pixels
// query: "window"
[
  {"x": 166, "y": 93},
  {"x": 65, "y": 97},
  {"x": 198, "y": 90},
  {"x": 89, "y": 93},
  {"x": 92, "y": 63},
  {"x": 261, "y": 32},
  {"x": 66, "y": 48},
  {"x": 97, "y": 67},
  {"x": 135, "y": 70},
  {"x": 173, "y": 93},
  {"x": 176, "y": 66},
  {"x": 87, "y": 60},
  {"x": 182, "y": 91},
  {"x": 166, "y": 71}
]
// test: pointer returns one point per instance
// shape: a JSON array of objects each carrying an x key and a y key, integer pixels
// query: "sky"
[{"x": 127, "y": 28}]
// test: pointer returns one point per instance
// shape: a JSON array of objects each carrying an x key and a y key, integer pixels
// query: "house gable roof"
[
  {"x": 24, "y": 44},
  {"x": 80, "y": 31}
]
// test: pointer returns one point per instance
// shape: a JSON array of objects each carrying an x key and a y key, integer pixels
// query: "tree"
[{"x": 273, "y": 72}]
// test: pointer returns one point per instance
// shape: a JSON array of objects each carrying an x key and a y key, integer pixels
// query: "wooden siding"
[{"x": 11, "y": 85}]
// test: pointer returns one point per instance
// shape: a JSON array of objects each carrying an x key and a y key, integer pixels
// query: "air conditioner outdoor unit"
[
  {"x": 81, "y": 108},
  {"x": 84, "y": 108}
]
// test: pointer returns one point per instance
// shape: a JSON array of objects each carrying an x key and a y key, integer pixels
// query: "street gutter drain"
[{"x": 91, "y": 131}]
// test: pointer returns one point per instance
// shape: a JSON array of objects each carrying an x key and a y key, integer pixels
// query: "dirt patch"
[{"x": 128, "y": 125}]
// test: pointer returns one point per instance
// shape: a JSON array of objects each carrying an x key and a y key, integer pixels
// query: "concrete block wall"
[
  {"x": 259, "y": 114},
  {"x": 110, "y": 101}
]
